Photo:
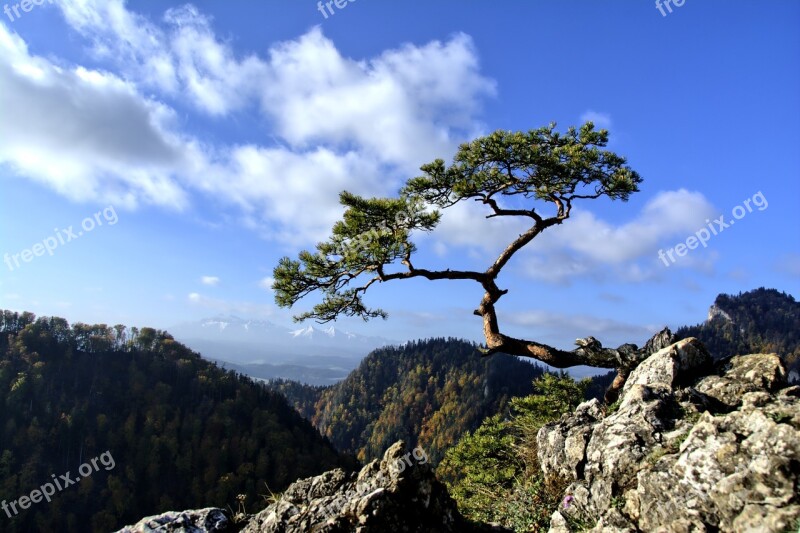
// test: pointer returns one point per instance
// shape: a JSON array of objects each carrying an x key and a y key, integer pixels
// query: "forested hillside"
[
  {"x": 426, "y": 392},
  {"x": 182, "y": 432},
  {"x": 757, "y": 321}
]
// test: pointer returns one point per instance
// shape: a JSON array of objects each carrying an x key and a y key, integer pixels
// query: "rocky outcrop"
[
  {"x": 397, "y": 493},
  {"x": 210, "y": 520},
  {"x": 690, "y": 446}
]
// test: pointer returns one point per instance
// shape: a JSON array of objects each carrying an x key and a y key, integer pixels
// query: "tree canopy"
[{"x": 512, "y": 174}]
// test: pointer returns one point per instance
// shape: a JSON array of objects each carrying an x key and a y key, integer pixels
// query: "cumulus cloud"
[
  {"x": 182, "y": 57},
  {"x": 87, "y": 134},
  {"x": 211, "y": 281},
  {"x": 668, "y": 214},
  {"x": 407, "y": 105},
  {"x": 207, "y": 69},
  {"x": 404, "y": 106},
  {"x": 465, "y": 225},
  {"x": 333, "y": 123},
  {"x": 129, "y": 39},
  {"x": 288, "y": 196},
  {"x": 266, "y": 283},
  {"x": 586, "y": 244}
]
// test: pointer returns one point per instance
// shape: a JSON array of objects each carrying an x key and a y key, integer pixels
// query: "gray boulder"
[
  {"x": 394, "y": 494},
  {"x": 210, "y": 520},
  {"x": 397, "y": 493},
  {"x": 690, "y": 447},
  {"x": 743, "y": 374}
]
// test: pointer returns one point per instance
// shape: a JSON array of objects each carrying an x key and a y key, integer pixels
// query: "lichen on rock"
[{"x": 691, "y": 448}]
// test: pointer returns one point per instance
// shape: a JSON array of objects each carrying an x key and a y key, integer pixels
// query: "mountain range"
[
  {"x": 427, "y": 393},
  {"x": 181, "y": 431},
  {"x": 265, "y": 350},
  {"x": 184, "y": 432}
]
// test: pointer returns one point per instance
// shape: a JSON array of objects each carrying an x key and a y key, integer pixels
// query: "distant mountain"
[
  {"x": 274, "y": 342},
  {"x": 327, "y": 373},
  {"x": 758, "y": 321},
  {"x": 328, "y": 333},
  {"x": 180, "y": 431},
  {"x": 268, "y": 350},
  {"x": 427, "y": 393}
]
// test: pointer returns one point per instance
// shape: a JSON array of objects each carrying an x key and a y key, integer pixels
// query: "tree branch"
[
  {"x": 519, "y": 243},
  {"x": 499, "y": 211},
  {"x": 434, "y": 274},
  {"x": 590, "y": 351}
]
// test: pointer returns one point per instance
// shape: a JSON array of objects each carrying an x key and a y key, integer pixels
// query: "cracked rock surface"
[
  {"x": 692, "y": 447},
  {"x": 395, "y": 494}
]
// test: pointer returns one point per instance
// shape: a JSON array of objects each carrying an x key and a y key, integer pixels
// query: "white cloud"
[
  {"x": 407, "y": 106},
  {"x": 87, "y": 134},
  {"x": 211, "y": 281},
  {"x": 668, "y": 214},
  {"x": 267, "y": 283},
  {"x": 601, "y": 120},
  {"x": 207, "y": 69},
  {"x": 195, "y": 297},
  {"x": 288, "y": 196},
  {"x": 585, "y": 244},
  {"x": 337, "y": 123},
  {"x": 122, "y": 36},
  {"x": 184, "y": 58},
  {"x": 465, "y": 225}
]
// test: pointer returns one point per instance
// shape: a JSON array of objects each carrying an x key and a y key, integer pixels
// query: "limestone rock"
[
  {"x": 685, "y": 451},
  {"x": 741, "y": 374},
  {"x": 668, "y": 366},
  {"x": 383, "y": 496},
  {"x": 208, "y": 520},
  {"x": 397, "y": 493},
  {"x": 568, "y": 441}
]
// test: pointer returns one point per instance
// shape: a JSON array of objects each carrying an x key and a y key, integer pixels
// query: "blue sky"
[{"x": 210, "y": 139}]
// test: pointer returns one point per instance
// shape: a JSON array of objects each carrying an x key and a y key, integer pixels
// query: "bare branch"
[
  {"x": 499, "y": 211},
  {"x": 519, "y": 243}
]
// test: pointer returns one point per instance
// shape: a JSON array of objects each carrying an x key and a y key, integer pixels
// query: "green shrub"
[{"x": 494, "y": 473}]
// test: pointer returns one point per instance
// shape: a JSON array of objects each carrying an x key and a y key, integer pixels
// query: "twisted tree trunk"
[{"x": 590, "y": 352}]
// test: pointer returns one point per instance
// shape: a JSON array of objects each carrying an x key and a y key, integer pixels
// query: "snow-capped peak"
[{"x": 303, "y": 332}]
